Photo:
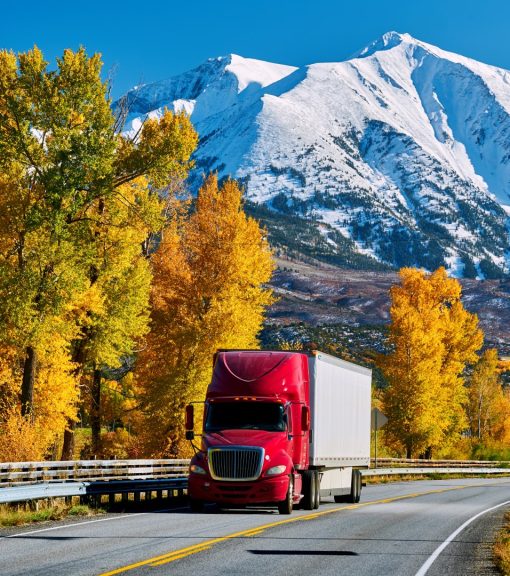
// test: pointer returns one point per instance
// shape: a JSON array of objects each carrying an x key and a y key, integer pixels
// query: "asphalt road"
[{"x": 397, "y": 529}]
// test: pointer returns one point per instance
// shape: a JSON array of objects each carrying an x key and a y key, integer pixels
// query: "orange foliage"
[
  {"x": 433, "y": 338},
  {"x": 21, "y": 440},
  {"x": 208, "y": 293}
]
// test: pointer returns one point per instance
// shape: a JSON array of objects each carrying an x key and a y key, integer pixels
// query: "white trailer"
[{"x": 340, "y": 401}]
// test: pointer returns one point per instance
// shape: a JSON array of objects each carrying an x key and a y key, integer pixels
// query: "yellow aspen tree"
[
  {"x": 209, "y": 292},
  {"x": 500, "y": 427},
  {"x": 432, "y": 338},
  {"x": 485, "y": 397},
  {"x": 55, "y": 396}
]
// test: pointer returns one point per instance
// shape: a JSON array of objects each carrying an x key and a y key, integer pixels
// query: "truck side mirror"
[
  {"x": 190, "y": 418},
  {"x": 305, "y": 419}
]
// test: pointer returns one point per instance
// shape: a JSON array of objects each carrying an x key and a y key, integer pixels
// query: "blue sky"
[{"x": 144, "y": 42}]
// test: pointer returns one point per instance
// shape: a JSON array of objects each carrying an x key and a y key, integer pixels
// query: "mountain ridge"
[{"x": 404, "y": 149}]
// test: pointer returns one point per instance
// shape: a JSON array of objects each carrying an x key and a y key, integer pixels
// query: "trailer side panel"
[{"x": 340, "y": 409}]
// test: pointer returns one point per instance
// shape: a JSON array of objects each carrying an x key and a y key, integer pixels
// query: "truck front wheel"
[{"x": 285, "y": 506}]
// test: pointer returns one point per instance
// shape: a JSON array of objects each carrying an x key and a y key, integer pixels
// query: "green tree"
[{"x": 78, "y": 201}]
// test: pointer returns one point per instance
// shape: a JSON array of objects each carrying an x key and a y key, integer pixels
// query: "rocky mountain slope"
[{"x": 398, "y": 156}]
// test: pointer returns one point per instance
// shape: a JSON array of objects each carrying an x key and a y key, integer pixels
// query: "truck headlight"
[
  {"x": 196, "y": 469},
  {"x": 276, "y": 470}
]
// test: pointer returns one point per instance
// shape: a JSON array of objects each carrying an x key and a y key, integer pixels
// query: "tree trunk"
[
  {"x": 480, "y": 418},
  {"x": 95, "y": 411},
  {"x": 27, "y": 384},
  {"x": 69, "y": 443},
  {"x": 68, "y": 447}
]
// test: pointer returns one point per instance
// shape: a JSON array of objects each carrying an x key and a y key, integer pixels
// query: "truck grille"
[{"x": 235, "y": 462}]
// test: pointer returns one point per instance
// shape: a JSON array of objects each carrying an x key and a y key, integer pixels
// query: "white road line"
[
  {"x": 19, "y": 534},
  {"x": 425, "y": 568}
]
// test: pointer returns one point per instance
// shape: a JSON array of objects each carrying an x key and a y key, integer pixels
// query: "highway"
[{"x": 404, "y": 528}]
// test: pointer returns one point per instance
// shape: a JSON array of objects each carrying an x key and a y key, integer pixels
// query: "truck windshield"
[{"x": 245, "y": 416}]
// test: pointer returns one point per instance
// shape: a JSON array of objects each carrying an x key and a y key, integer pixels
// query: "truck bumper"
[{"x": 262, "y": 491}]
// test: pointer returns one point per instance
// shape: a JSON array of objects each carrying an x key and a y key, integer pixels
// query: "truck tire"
[
  {"x": 355, "y": 493},
  {"x": 356, "y": 481},
  {"x": 196, "y": 505},
  {"x": 317, "y": 491},
  {"x": 309, "y": 489},
  {"x": 285, "y": 506}
]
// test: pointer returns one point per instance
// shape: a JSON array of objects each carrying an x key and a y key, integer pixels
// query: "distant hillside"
[{"x": 352, "y": 307}]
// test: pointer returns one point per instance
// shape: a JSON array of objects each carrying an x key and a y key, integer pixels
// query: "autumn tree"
[
  {"x": 114, "y": 312},
  {"x": 78, "y": 201},
  {"x": 487, "y": 406},
  {"x": 209, "y": 292},
  {"x": 500, "y": 425},
  {"x": 432, "y": 337}
]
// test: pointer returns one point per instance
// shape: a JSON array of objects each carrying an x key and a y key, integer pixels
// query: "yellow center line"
[
  {"x": 255, "y": 533},
  {"x": 183, "y": 552},
  {"x": 178, "y": 555}
]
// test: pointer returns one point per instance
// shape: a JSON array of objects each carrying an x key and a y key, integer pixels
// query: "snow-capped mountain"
[{"x": 401, "y": 153}]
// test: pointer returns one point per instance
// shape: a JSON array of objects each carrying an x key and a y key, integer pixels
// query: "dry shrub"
[
  {"x": 21, "y": 440},
  {"x": 458, "y": 450},
  {"x": 21, "y": 514},
  {"x": 115, "y": 444}
]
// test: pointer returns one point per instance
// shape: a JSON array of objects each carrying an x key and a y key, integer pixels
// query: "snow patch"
[{"x": 250, "y": 71}]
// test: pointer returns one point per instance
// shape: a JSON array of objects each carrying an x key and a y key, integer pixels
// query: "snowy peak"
[
  {"x": 391, "y": 40},
  {"x": 385, "y": 42}
]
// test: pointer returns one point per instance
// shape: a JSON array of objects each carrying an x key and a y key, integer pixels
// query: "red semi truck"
[{"x": 281, "y": 429}]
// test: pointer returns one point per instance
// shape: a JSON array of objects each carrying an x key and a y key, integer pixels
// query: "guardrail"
[
  {"x": 41, "y": 491},
  {"x": 19, "y": 473},
  {"x": 91, "y": 479},
  {"x": 92, "y": 492},
  {"x": 22, "y": 473}
]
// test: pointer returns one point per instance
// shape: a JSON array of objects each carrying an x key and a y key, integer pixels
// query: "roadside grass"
[
  {"x": 11, "y": 515},
  {"x": 502, "y": 548},
  {"x": 495, "y": 453}
]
